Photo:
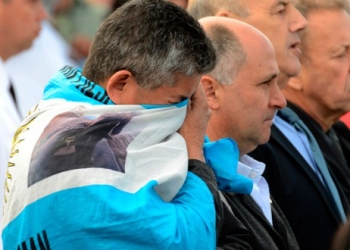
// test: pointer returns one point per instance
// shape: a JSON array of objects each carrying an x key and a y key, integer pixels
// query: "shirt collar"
[{"x": 250, "y": 168}]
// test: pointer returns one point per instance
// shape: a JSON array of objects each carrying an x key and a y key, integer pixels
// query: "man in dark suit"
[
  {"x": 248, "y": 98},
  {"x": 280, "y": 22},
  {"x": 299, "y": 192},
  {"x": 319, "y": 95}
]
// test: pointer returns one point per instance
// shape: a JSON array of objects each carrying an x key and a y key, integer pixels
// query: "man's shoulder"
[{"x": 341, "y": 130}]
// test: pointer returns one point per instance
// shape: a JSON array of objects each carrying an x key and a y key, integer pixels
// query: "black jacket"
[
  {"x": 231, "y": 233},
  {"x": 338, "y": 162},
  {"x": 240, "y": 223},
  {"x": 262, "y": 235},
  {"x": 300, "y": 194}
]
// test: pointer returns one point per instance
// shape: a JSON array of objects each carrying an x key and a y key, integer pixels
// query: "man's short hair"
[
  {"x": 307, "y": 6},
  {"x": 155, "y": 40},
  {"x": 229, "y": 51}
]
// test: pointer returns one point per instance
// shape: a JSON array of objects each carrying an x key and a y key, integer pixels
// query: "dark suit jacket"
[
  {"x": 337, "y": 161},
  {"x": 262, "y": 235},
  {"x": 343, "y": 133},
  {"x": 300, "y": 194}
]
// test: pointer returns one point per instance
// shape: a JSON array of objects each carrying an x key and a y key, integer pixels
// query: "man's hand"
[{"x": 195, "y": 124}]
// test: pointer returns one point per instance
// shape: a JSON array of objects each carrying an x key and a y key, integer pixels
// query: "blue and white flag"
[{"x": 87, "y": 174}]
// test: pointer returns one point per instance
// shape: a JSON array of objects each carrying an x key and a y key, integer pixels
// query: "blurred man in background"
[{"x": 20, "y": 22}]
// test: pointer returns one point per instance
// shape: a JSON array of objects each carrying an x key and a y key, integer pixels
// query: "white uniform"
[
  {"x": 9, "y": 121},
  {"x": 31, "y": 69}
]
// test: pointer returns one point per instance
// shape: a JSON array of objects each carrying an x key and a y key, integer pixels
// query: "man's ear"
[
  {"x": 295, "y": 83},
  {"x": 222, "y": 13},
  {"x": 211, "y": 90},
  {"x": 120, "y": 85},
  {"x": 225, "y": 13}
]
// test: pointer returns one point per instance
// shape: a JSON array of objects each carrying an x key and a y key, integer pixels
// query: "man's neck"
[
  {"x": 5, "y": 53},
  {"x": 311, "y": 107}
]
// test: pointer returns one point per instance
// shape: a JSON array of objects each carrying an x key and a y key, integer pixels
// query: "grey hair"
[
  {"x": 229, "y": 51},
  {"x": 203, "y": 8},
  {"x": 155, "y": 40},
  {"x": 305, "y": 6}
]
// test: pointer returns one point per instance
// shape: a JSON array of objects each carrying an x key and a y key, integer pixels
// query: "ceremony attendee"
[
  {"x": 125, "y": 135},
  {"x": 45, "y": 57},
  {"x": 19, "y": 26},
  {"x": 309, "y": 186},
  {"x": 243, "y": 96},
  {"x": 310, "y": 202},
  {"x": 78, "y": 20},
  {"x": 277, "y": 19},
  {"x": 320, "y": 94}
]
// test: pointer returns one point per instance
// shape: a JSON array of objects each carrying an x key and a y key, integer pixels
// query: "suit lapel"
[{"x": 279, "y": 137}]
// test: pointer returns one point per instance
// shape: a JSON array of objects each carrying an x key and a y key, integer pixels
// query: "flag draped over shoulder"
[{"x": 87, "y": 174}]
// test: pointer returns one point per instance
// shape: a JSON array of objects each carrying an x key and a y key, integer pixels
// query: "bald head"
[
  {"x": 241, "y": 29},
  {"x": 232, "y": 39},
  {"x": 242, "y": 90}
]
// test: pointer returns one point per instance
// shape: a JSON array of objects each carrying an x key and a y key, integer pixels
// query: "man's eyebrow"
[
  {"x": 270, "y": 77},
  {"x": 279, "y": 2}
]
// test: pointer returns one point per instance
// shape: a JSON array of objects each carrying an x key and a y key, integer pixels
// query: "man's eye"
[
  {"x": 266, "y": 82},
  {"x": 282, "y": 9},
  {"x": 343, "y": 53},
  {"x": 183, "y": 99}
]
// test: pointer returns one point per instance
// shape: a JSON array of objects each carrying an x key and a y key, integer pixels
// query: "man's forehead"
[
  {"x": 274, "y": 3},
  {"x": 268, "y": 5}
]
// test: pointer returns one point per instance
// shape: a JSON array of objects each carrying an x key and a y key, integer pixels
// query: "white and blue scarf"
[{"x": 87, "y": 174}]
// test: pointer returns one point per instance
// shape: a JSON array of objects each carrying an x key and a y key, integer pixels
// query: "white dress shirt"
[
  {"x": 9, "y": 122},
  {"x": 253, "y": 169}
]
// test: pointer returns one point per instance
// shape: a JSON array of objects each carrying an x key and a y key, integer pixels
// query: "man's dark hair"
[{"x": 155, "y": 40}]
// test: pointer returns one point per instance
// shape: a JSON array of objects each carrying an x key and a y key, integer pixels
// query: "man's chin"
[
  {"x": 266, "y": 138},
  {"x": 293, "y": 68},
  {"x": 27, "y": 45}
]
